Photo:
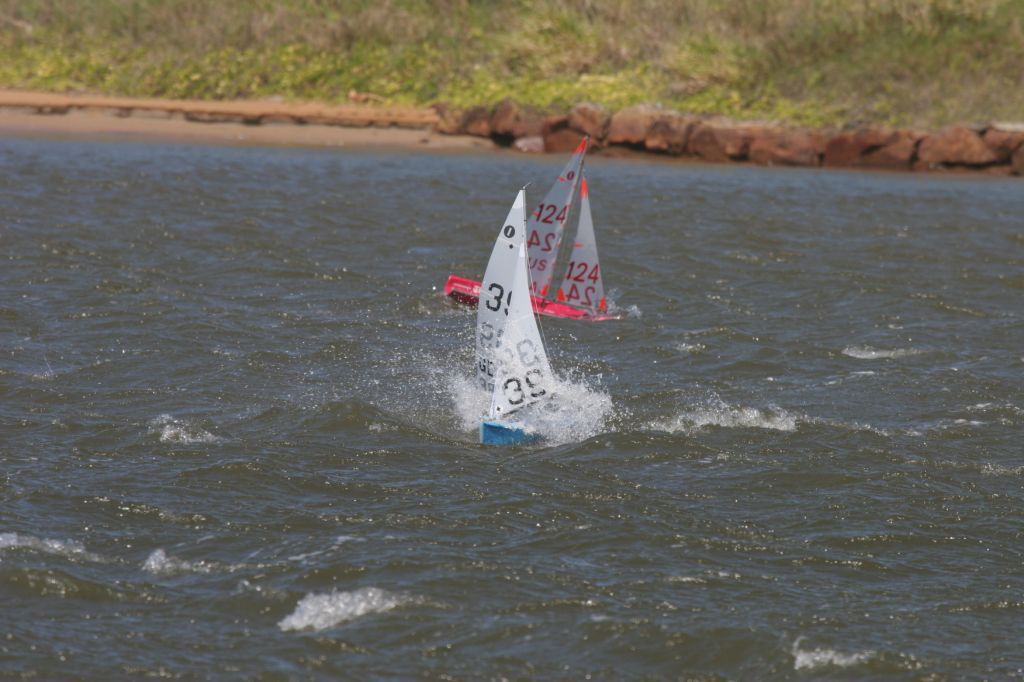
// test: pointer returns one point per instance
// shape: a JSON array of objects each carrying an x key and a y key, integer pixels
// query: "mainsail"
[
  {"x": 511, "y": 362},
  {"x": 583, "y": 286},
  {"x": 545, "y": 225},
  {"x": 523, "y": 373}
]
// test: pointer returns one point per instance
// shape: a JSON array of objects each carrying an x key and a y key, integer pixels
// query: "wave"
[
  {"x": 822, "y": 658},
  {"x": 870, "y": 353},
  {"x": 173, "y": 430},
  {"x": 719, "y": 413},
  {"x": 322, "y": 611},
  {"x": 158, "y": 563},
  {"x": 71, "y": 549}
]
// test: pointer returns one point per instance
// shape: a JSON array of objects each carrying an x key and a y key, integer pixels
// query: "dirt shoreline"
[
  {"x": 32, "y": 114},
  {"x": 640, "y": 132}
]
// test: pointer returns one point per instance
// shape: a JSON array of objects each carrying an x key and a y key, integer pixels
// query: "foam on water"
[
  {"x": 869, "y": 353},
  {"x": 71, "y": 549},
  {"x": 574, "y": 412},
  {"x": 173, "y": 430},
  {"x": 990, "y": 469},
  {"x": 158, "y": 563},
  {"x": 321, "y": 611},
  {"x": 821, "y": 658},
  {"x": 716, "y": 412}
]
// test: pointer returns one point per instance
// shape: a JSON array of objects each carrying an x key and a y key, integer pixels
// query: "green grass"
[{"x": 815, "y": 62}]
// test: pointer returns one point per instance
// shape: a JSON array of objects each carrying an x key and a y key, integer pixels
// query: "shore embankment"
[{"x": 994, "y": 148}]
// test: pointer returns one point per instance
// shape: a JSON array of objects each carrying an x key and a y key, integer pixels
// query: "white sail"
[
  {"x": 496, "y": 292},
  {"x": 545, "y": 225},
  {"x": 583, "y": 286},
  {"x": 523, "y": 373}
]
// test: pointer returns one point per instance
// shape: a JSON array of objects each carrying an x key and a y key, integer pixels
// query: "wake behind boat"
[{"x": 580, "y": 294}]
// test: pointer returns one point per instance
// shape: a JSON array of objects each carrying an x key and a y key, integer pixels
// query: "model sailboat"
[
  {"x": 579, "y": 295},
  {"x": 511, "y": 363}
]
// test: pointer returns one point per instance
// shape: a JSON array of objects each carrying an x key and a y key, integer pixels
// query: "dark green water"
[{"x": 237, "y": 439}]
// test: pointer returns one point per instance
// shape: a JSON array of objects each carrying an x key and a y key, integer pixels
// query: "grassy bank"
[{"x": 815, "y": 62}]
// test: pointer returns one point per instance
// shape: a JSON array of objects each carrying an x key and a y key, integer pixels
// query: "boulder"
[
  {"x": 629, "y": 126},
  {"x": 449, "y": 119},
  {"x": 1003, "y": 143},
  {"x": 956, "y": 146},
  {"x": 558, "y": 135},
  {"x": 589, "y": 119},
  {"x": 787, "y": 148},
  {"x": 704, "y": 143},
  {"x": 720, "y": 143},
  {"x": 511, "y": 121},
  {"x": 1017, "y": 161},
  {"x": 476, "y": 121},
  {"x": 669, "y": 133},
  {"x": 895, "y": 153},
  {"x": 847, "y": 148}
]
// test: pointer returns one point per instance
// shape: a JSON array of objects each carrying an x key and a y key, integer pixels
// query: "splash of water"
[
  {"x": 820, "y": 658},
  {"x": 575, "y": 411},
  {"x": 321, "y": 611},
  {"x": 870, "y": 353},
  {"x": 717, "y": 412}
]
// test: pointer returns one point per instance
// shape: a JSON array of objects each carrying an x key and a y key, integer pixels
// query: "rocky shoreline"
[{"x": 996, "y": 148}]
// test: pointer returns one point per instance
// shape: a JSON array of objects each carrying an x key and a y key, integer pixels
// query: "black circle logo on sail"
[{"x": 510, "y": 231}]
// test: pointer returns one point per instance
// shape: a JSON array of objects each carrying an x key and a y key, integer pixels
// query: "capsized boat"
[
  {"x": 511, "y": 362},
  {"x": 580, "y": 294}
]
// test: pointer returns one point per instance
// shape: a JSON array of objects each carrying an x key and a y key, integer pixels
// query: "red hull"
[{"x": 467, "y": 291}]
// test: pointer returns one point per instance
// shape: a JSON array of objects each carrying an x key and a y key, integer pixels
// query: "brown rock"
[
  {"x": 847, "y": 148},
  {"x": 705, "y": 144},
  {"x": 511, "y": 121},
  {"x": 448, "y": 119},
  {"x": 1017, "y": 161},
  {"x": 720, "y": 143},
  {"x": 476, "y": 121},
  {"x": 669, "y": 133},
  {"x": 589, "y": 119},
  {"x": 558, "y": 136},
  {"x": 787, "y": 148},
  {"x": 895, "y": 153},
  {"x": 630, "y": 125},
  {"x": 1003, "y": 143},
  {"x": 735, "y": 141},
  {"x": 954, "y": 146}
]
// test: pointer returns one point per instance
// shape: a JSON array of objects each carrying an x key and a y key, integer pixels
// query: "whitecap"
[
  {"x": 870, "y": 353},
  {"x": 71, "y": 549},
  {"x": 719, "y": 413},
  {"x": 158, "y": 563},
  {"x": 990, "y": 469},
  {"x": 820, "y": 658},
  {"x": 173, "y": 430},
  {"x": 321, "y": 611}
]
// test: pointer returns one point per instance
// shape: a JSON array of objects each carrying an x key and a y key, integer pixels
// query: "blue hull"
[{"x": 496, "y": 433}]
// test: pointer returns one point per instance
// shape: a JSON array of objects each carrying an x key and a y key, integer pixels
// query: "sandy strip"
[{"x": 43, "y": 115}]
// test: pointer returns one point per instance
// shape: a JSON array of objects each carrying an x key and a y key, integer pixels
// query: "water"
[{"x": 238, "y": 442}]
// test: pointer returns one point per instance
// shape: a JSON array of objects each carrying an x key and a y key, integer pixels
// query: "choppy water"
[{"x": 237, "y": 440}]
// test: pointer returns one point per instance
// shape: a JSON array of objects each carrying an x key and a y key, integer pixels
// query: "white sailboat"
[{"x": 511, "y": 362}]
